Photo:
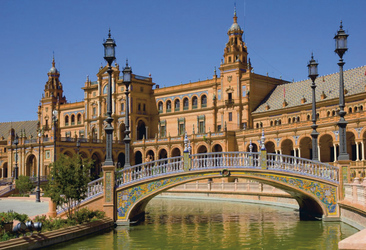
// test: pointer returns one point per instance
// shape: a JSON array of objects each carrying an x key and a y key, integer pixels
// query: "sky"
[{"x": 176, "y": 41}]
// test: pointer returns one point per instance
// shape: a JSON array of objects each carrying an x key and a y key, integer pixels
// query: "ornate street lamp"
[
  {"x": 127, "y": 71},
  {"x": 38, "y": 190},
  {"x": 16, "y": 142},
  {"x": 313, "y": 74},
  {"x": 109, "y": 56},
  {"x": 341, "y": 48},
  {"x": 54, "y": 118}
]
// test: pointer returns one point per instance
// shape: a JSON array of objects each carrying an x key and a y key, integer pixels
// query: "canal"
[{"x": 206, "y": 224}]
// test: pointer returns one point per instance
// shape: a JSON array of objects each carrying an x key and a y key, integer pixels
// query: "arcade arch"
[{"x": 306, "y": 148}]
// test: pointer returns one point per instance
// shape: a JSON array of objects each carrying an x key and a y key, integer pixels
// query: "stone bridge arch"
[{"x": 315, "y": 199}]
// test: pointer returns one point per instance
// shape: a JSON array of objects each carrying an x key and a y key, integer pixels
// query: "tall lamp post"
[
  {"x": 16, "y": 142},
  {"x": 54, "y": 118},
  {"x": 109, "y": 56},
  {"x": 313, "y": 74},
  {"x": 38, "y": 190},
  {"x": 127, "y": 71},
  {"x": 341, "y": 48}
]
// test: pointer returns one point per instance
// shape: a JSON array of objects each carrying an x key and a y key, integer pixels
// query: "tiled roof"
[
  {"x": 293, "y": 92},
  {"x": 30, "y": 128}
]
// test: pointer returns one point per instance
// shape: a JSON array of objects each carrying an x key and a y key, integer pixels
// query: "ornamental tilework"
[
  {"x": 326, "y": 193},
  {"x": 127, "y": 198}
]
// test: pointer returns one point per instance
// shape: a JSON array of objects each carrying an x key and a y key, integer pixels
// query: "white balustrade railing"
[
  {"x": 229, "y": 160},
  {"x": 149, "y": 170},
  {"x": 95, "y": 188}
]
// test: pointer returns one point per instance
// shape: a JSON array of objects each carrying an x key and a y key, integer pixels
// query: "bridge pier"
[{"x": 108, "y": 188}]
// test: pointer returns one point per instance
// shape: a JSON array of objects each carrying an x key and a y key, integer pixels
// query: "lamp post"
[
  {"x": 78, "y": 146},
  {"x": 109, "y": 56},
  {"x": 38, "y": 190},
  {"x": 341, "y": 48},
  {"x": 313, "y": 74},
  {"x": 54, "y": 118},
  {"x": 127, "y": 71},
  {"x": 16, "y": 142}
]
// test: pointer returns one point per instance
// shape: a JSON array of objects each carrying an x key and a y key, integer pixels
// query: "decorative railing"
[
  {"x": 229, "y": 160},
  {"x": 95, "y": 188},
  {"x": 35, "y": 179},
  {"x": 6, "y": 190},
  {"x": 149, "y": 170},
  {"x": 6, "y": 181}
]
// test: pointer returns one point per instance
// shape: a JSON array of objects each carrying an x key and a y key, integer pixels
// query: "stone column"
[
  {"x": 363, "y": 150},
  {"x": 335, "y": 152},
  {"x": 109, "y": 184},
  {"x": 319, "y": 154},
  {"x": 357, "y": 152}
]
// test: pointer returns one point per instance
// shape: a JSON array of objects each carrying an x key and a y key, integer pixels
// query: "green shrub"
[{"x": 24, "y": 184}]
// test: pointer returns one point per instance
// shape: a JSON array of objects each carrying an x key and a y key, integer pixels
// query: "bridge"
[{"x": 124, "y": 194}]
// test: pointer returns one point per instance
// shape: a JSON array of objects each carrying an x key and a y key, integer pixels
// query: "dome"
[
  {"x": 235, "y": 26},
  {"x": 53, "y": 70}
]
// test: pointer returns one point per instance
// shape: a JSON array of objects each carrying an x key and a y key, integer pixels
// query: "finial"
[
  {"x": 53, "y": 59},
  {"x": 126, "y": 62},
  {"x": 109, "y": 33},
  {"x": 235, "y": 9},
  {"x": 87, "y": 78},
  {"x": 341, "y": 26}
]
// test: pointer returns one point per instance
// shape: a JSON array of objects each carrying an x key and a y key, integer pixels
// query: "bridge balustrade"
[
  {"x": 95, "y": 188},
  {"x": 149, "y": 169},
  {"x": 302, "y": 166}
]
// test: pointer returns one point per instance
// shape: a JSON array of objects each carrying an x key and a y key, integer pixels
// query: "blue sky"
[{"x": 175, "y": 41}]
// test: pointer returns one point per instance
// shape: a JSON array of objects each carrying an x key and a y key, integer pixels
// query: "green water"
[{"x": 202, "y": 224}]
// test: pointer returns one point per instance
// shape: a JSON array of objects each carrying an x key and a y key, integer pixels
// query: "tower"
[
  {"x": 233, "y": 68},
  {"x": 51, "y": 99}
]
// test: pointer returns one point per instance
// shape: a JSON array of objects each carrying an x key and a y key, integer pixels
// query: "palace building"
[{"x": 225, "y": 113}]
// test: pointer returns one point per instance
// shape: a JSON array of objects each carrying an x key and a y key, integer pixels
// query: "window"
[
  {"x": 201, "y": 124},
  {"x": 230, "y": 116},
  {"x": 67, "y": 120},
  {"x": 94, "y": 94},
  {"x": 185, "y": 104},
  {"x": 162, "y": 131},
  {"x": 176, "y": 105},
  {"x": 94, "y": 110},
  {"x": 204, "y": 101},
  {"x": 122, "y": 106},
  {"x": 144, "y": 107},
  {"x": 218, "y": 128},
  {"x": 194, "y": 102},
  {"x": 139, "y": 107},
  {"x": 160, "y": 107},
  {"x": 168, "y": 106},
  {"x": 141, "y": 89},
  {"x": 79, "y": 118},
  {"x": 181, "y": 126},
  {"x": 48, "y": 154},
  {"x": 72, "y": 119}
]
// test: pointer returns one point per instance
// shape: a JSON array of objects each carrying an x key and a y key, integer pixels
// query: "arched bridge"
[{"x": 313, "y": 184}]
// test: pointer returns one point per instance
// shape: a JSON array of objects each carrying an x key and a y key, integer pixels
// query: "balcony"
[{"x": 229, "y": 102}]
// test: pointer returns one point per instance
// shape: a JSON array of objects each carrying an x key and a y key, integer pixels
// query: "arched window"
[
  {"x": 350, "y": 110},
  {"x": 361, "y": 108},
  {"x": 261, "y": 124},
  {"x": 194, "y": 102},
  {"x": 317, "y": 116},
  {"x": 160, "y": 107},
  {"x": 328, "y": 113},
  {"x": 257, "y": 125},
  {"x": 271, "y": 123},
  {"x": 72, "y": 119},
  {"x": 185, "y": 104},
  {"x": 355, "y": 109},
  {"x": 298, "y": 119},
  {"x": 293, "y": 119},
  {"x": 203, "y": 101},
  {"x": 333, "y": 113},
  {"x": 79, "y": 118},
  {"x": 168, "y": 106},
  {"x": 279, "y": 122},
  {"x": 176, "y": 105},
  {"x": 308, "y": 117},
  {"x": 67, "y": 120},
  {"x": 289, "y": 120}
]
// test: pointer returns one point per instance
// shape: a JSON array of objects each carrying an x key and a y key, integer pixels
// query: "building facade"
[{"x": 225, "y": 113}]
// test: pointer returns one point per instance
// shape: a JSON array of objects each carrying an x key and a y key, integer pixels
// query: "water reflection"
[{"x": 187, "y": 224}]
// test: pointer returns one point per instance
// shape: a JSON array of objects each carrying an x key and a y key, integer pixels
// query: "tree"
[
  {"x": 68, "y": 181},
  {"x": 24, "y": 184}
]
